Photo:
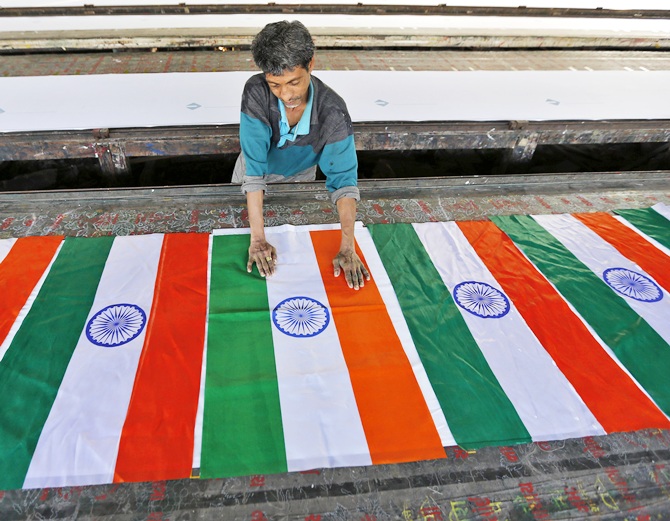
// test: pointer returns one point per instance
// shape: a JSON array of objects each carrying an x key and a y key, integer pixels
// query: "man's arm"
[
  {"x": 260, "y": 251},
  {"x": 347, "y": 259}
]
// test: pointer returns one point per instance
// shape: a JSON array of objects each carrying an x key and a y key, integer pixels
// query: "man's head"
[
  {"x": 284, "y": 51},
  {"x": 282, "y": 46}
]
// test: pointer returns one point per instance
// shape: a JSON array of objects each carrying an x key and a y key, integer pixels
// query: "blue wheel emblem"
[
  {"x": 481, "y": 299},
  {"x": 632, "y": 284},
  {"x": 300, "y": 317},
  {"x": 116, "y": 325}
]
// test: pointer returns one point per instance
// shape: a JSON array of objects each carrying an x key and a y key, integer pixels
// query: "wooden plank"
[{"x": 212, "y": 140}]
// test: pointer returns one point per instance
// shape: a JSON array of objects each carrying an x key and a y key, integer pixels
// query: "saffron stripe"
[
  {"x": 636, "y": 344},
  {"x": 29, "y": 384},
  {"x": 242, "y": 425},
  {"x": 158, "y": 434},
  {"x": 650, "y": 222},
  {"x": 376, "y": 267},
  {"x": 20, "y": 271},
  {"x": 397, "y": 423},
  {"x": 576, "y": 352},
  {"x": 630, "y": 244}
]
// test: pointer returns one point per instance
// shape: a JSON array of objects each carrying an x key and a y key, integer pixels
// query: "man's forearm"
[
  {"x": 346, "y": 208},
  {"x": 255, "y": 209}
]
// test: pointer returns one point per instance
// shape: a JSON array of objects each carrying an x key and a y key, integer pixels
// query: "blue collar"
[{"x": 286, "y": 133}]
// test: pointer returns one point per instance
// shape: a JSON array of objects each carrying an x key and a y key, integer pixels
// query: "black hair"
[{"x": 281, "y": 46}]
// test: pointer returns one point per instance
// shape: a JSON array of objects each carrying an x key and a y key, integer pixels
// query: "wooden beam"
[{"x": 522, "y": 137}]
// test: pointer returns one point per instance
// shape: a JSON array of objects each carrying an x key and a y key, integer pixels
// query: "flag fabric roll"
[{"x": 140, "y": 358}]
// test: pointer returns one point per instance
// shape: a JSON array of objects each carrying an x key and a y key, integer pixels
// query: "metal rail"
[
  {"x": 113, "y": 147},
  {"x": 451, "y": 186},
  {"x": 64, "y": 41},
  {"x": 59, "y": 41},
  {"x": 359, "y": 9}
]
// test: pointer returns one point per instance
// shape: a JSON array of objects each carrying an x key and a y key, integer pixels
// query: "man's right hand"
[{"x": 264, "y": 255}]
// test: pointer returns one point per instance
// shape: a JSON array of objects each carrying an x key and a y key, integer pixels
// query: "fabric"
[
  {"x": 72, "y": 102},
  {"x": 326, "y": 399},
  {"x": 608, "y": 293},
  {"x": 141, "y": 358},
  {"x": 329, "y": 143},
  {"x": 89, "y": 397}
]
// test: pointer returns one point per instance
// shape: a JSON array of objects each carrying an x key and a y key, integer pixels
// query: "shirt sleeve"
[
  {"x": 255, "y": 130},
  {"x": 339, "y": 164}
]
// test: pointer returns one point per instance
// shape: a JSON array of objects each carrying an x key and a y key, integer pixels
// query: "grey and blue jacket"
[{"x": 324, "y": 136}]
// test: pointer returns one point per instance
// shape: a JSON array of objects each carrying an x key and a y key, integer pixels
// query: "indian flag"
[
  {"x": 141, "y": 358},
  {"x": 303, "y": 372},
  {"x": 100, "y": 368}
]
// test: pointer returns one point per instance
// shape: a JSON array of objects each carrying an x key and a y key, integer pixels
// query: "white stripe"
[
  {"x": 4, "y": 346},
  {"x": 197, "y": 440},
  {"x": 5, "y": 246},
  {"x": 545, "y": 400},
  {"x": 322, "y": 425},
  {"x": 599, "y": 255},
  {"x": 80, "y": 439},
  {"x": 381, "y": 278},
  {"x": 663, "y": 209}
]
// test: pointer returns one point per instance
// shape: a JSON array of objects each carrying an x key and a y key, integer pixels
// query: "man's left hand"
[{"x": 354, "y": 270}]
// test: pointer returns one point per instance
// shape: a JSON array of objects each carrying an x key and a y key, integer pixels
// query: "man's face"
[{"x": 292, "y": 87}]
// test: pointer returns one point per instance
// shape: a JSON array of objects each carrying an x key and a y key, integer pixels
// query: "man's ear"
[{"x": 311, "y": 64}]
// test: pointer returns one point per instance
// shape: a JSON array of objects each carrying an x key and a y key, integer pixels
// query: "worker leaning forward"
[{"x": 290, "y": 123}]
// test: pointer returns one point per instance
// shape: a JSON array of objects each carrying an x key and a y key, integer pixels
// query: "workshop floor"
[{"x": 621, "y": 476}]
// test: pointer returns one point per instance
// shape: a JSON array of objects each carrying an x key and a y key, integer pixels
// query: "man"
[{"x": 290, "y": 123}]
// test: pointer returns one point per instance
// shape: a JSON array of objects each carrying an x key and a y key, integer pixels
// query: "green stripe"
[
  {"x": 649, "y": 222},
  {"x": 476, "y": 407},
  {"x": 636, "y": 344},
  {"x": 242, "y": 425},
  {"x": 35, "y": 363}
]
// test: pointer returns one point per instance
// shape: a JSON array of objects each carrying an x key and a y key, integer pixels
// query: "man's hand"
[
  {"x": 354, "y": 270},
  {"x": 264, "y": 255}
]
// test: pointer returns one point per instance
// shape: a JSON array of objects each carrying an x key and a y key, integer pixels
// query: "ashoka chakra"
[
  {"x": 300, "y": 317},
  {"x": 116, "y": 325},
  {"x": 481, "y": 299},
  {"x": 632, "y": 284}
]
